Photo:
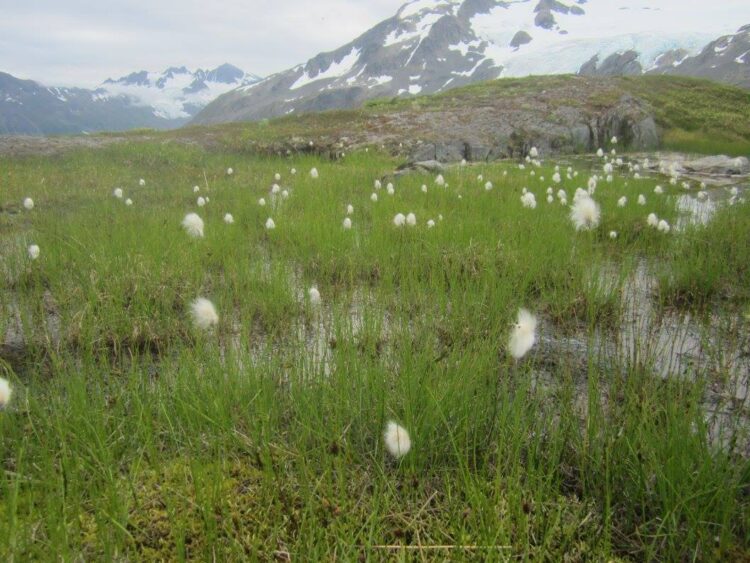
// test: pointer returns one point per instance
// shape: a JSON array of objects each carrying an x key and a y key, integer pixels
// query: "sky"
[{"x": 82, "y": 43}]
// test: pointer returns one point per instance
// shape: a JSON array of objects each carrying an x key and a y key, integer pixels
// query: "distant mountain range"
[
  {"x": 428, "y": 46},
  {"x": 433, "y": 45},
  {"x": 142, "y": 99}
]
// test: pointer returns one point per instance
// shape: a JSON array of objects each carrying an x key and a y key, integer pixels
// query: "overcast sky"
[{"x": 81, "y": 43}]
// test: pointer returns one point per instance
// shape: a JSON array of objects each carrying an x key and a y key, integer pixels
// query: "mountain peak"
[{"x": 430, "y": 46}]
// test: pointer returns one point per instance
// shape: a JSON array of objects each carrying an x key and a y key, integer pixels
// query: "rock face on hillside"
[{"x": 725, "y": 60}]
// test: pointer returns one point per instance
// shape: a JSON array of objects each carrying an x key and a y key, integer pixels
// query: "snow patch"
[{"x": 335, "y": 70}]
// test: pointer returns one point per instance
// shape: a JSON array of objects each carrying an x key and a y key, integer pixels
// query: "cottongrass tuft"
[
  {"x": 600, "y": 153},
  {"x": 411, "y": 220},
  {"x": 396, "y": 439},
  {"x": 349, "y": 209},
  {"x": 5, "y": 393},
  {"x": 284, "y": 194},
  {"x": 390, "y": 189},
  {"x": 658, "y": 190},
  {"x": 33, "y": 251},
  {"x": 550, "y": 199},
  {"x": 374, "y": 197},
  {"x": 488, "y": 186},
  {"x": 141, "y": 182},
  {"x": 556, "y": 178},
  {"x": 314, "y": 173},
  {"x": 28, "y": 203},
  {"x": 377, "y": 184},
  {"x": 193, "y": 225},
  {"x": 270, "y": 225},
  {"x": 424, "y": 188},
  {"x": 230, "y": 171},
  {"x": 117, "y": 193},
  {"x": 262, "y": 202},
  {"x": 585, "y": 214},
  {"x": 652, "y": 220},
  {"x": 128, "y": 202},
  {"x": 641, "y": 199},
  {"x": 430, "y": 224},
  {"x": 529, "y": 200},
  {"x": 314, "y": 295},
  {"x": 275, "y": 189},
  {"x": 534, "y": 152},
  {"x": 663, "y": 226},
  {"x": 203, "y": 313},
  {"x": 399, "y": 220},
  {"x": 440, "y": 181},
  {"x": 200, "y": 201},
  {"x": 277, "y": 176},
  {"x": 228, "y": 219},
  {"x": 293, "y": 171},
  {"x": 613, "y": 235},
  {"x": 347, "y": 224},
  {"x": 622, "y": 202},
  {"x": 524, "y": 334},
  {"x": 196, "y": 189}
]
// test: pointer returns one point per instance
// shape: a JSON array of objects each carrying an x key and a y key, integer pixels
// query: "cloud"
[{"x": 80, "y": 43}]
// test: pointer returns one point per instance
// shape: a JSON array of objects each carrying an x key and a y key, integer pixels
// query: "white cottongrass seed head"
[
  {"x": 117, "y": 193},
  {"x": 411, "y": 220},
  {"x": 424, "y": 188},
  {"x": 523, "y": 336},
  {"x": 277, "y": 176},
  {"x": 652, "y": 220},
  {"x": 488, "y": 186},
  {"x": 203, "y": 313},
  {"x": 430, "y": 224},
  {"x": 270, "y": 225},
  {"x": 585, "y": 214},
  {"x": 262, "y": 202},
  {"x": 196, "y": 189},
  {"x": 399, "y": 220},
  {"x": 439, "y": 180},
  {"x": 28, "y": 204},
  {"x": 658, "y": 190},
  {"x": 347, "y": 223},
  {"x": 613, "y": 235},
  {"x": 529, "y": 200},
  {"x": 201, "y": 201},
  {"x": 33, "y": 251},
  {"x": 314, "y": 173},
  {"x": 193, "y": 225},
  {"x": 374, "y": 197},
  {"x": 128, "y": 202},
  {"x": 228, "y": 219},
  {"x": 397, "y": 440},
  {"x": 641, "y": 199},
  {"x": 230, "y": 171},
  {"x": 314, "y": 295},
  {"x": 663, "y": 226},
  {"x": 622, "y": 202},
  {"x": 141, "y": 182},
  {"x": 349, "y": 209},
  {"x": 5, "y": 392}
]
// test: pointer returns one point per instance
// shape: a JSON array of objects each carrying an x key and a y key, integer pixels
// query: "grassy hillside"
[{"x": 693, "y": 115}]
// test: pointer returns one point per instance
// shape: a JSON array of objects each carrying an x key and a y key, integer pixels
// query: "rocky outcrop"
[{"x": 617, "y": 64}]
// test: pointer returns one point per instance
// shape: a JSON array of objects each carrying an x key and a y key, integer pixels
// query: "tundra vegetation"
[{"x": 466, "y": 382}]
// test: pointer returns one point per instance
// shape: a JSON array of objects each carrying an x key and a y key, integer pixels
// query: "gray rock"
[
  {"x": 720, "y": 164},
  {"x": 477, "y": 152},
  {"x": 520, "y": 38},
  {"x": 423, "y": 152},
  {"x": 450, "y": 151}
]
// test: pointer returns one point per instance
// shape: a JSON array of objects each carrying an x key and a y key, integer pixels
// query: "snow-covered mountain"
[
  {"x": 177, "y": 93},
  {"x": 433, "y": 45},
  {"x": 141, "y": 99}
]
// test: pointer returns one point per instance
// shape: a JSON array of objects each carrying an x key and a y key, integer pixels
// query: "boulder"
[{"x": 720, "y": 164}]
